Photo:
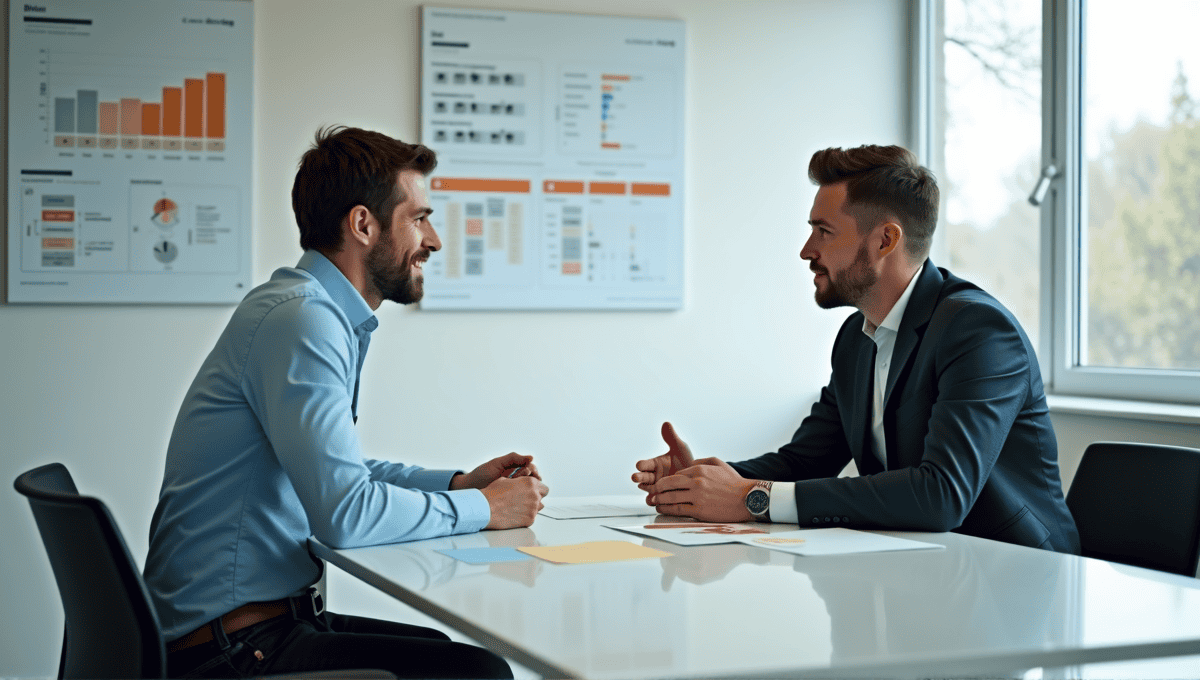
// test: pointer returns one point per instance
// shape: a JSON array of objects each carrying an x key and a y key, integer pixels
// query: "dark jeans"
[{"x": 335, "y": 642}]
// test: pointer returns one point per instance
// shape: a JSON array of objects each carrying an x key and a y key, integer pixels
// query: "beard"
[
  {"x": 849, "y": 288},
  {"x": 393, "y": 281}
]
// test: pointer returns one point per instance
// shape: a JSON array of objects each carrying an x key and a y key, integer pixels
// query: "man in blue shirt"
[{"x": 264, "y": 452}]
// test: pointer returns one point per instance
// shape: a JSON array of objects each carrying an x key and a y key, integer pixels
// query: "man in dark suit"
[{"x": 935, "y": 394}]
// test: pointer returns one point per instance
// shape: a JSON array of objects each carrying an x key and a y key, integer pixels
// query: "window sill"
[{"x": 1119, "y": 408}]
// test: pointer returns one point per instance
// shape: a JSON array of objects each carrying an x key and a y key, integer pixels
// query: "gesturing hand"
[
  {"x": 514, "y": 502},
  {"x": 677, "y": 457},
  {"x": 513, "y": 464},
  {"x": 710, "y": 490}
]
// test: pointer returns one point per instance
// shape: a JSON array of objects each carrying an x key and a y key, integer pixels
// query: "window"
[{"x": 1097, "y": 103}]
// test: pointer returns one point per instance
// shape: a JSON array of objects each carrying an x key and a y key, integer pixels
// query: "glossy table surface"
[{"x": 977, "y": 608}]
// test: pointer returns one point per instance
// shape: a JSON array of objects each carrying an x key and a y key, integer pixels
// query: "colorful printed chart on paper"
[
  {"x": 560, "y": 144},
  {"x": 129, "y": 151}
]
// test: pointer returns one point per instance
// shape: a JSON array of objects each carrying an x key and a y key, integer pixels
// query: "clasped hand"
[
  {"x": 677, "y": 484},
  {"x": 513, "y": 501}
]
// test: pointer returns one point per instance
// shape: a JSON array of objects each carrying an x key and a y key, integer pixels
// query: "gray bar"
[
  {"x": 58, "y": 201},
  {"x": 87, "y": 111},
  {"x": 64, "y": 115}
]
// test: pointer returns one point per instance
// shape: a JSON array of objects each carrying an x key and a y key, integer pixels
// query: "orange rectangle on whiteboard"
[
  {"x": 614, "y": 76},
  {"x": 572, "y": 267},
  {"x": 514, "y": 186},
  {"x": 474, "y": 226},
  {"x": 554, "y": 186},
  {"x": 613, "y": 188},
  {"x": 151, "y": 118},
  {"x": 172, "y": 112},
  {"x": 109, "y": 117},
  {"x": 58, "y": 215},
  {"x": 215, "y": 105},
  {"x": 193, "y": 107},
  {"x": 649, "y": 189},
  {"x": 131, "y": 116},
  {"x": 58, "y": 243}
]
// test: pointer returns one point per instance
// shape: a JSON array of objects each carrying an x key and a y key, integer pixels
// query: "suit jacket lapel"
[{"x": 920, "y": 307}]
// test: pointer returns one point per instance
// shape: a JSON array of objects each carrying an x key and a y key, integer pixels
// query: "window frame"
[{"x": 1063, "y": 257}]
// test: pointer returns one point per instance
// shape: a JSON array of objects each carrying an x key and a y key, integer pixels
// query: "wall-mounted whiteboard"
[
  {"x": 129, "y": 151},
  {"x": 560, "y": 142}
]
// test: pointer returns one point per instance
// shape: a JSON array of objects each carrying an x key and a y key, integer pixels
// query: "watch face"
[{"x": 758, "y": 502}]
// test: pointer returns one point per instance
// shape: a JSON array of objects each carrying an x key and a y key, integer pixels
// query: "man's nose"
[{"x": 431, "y": 240}]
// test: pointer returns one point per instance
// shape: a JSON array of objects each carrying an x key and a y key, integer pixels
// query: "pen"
[{"x": 515, "y": 471}]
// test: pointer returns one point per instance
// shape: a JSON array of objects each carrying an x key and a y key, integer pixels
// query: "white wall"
[{"x": 768, "y": 83}]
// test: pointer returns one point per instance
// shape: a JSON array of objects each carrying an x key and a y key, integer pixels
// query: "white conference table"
[{"x": 976, "y": 608}]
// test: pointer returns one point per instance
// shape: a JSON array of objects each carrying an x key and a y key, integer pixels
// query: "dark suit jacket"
[{"x": 969, "y": 440}]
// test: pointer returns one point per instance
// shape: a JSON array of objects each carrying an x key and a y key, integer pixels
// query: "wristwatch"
[{"x": 758, "y": 501}]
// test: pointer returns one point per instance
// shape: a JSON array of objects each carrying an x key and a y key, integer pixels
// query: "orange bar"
[
  {"x": 58, "y": 215},
  {"x": 193, "y": 107},
  {"x": 215, "y": 105},
  {"x": 58, "y": 243},
  {"x": 614, "y": 188},
  {"x": 609, "y": 145},
  {"x": 611, "y": 76},
  {"x": 554, "y": 186},
  {"x": 513, "y": 186},
  {"x": 131, "y": 116},
  {"x": 109, "y": 117},
  {"x": 649, "y": 189},
  {"x": 151, "y": 119},
  {"x": 172, "y": 112}
]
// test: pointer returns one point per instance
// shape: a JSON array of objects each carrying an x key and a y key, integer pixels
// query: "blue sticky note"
[{"x": 486, "y": 555}]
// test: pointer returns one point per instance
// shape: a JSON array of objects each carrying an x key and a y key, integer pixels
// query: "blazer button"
[
  {"x": 836, "y": 520},
  {"x": 846, "y": 520},
  {"x": 816, "y": 520},
  {"x": 826, "y": 519}
]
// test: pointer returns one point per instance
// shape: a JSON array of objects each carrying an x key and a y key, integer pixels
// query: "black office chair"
[
  {"x": 112, "y": 629},
  {"x": 1139, "y": 504}
]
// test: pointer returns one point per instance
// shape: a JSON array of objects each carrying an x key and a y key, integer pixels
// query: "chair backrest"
[
  {"x": 1139, "y": 504},
  {"x": 112, "y": 628}
]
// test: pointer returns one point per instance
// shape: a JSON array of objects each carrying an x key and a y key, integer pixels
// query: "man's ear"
[
  {"x": 890, "y": 236},
  {"x": 360, "y": 226}
]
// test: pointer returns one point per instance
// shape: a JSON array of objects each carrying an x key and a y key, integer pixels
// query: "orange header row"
[
  {"x": 512, "y": 186},
  {"x": 550, "y": 186}
]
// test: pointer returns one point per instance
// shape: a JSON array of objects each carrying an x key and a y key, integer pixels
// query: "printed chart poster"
[
  {"x": 560, "y": 175},
  {"x": 129, "y": 151}
]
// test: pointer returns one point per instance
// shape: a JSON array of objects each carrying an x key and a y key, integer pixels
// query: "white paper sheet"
[
  {"x": 583, "y": 507},
  {"x": 801, "y": 542},
  {"x": 695, "y": 533},
  {"x": 834, "y": 542}
]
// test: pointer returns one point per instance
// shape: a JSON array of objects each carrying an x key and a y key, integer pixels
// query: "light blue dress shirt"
[{"x": 264, "y": 454}]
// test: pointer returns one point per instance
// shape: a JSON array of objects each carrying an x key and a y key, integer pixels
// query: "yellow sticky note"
[{"x": 595, "y": 551}]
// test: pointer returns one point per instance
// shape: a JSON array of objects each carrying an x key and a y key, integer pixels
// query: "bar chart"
[{"x": 189, "y": 116}]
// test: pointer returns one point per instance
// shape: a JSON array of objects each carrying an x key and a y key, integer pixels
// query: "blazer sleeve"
[{"x": 974, "y": 378}]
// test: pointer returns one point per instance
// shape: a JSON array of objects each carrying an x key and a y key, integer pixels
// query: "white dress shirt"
[{"x": 783, "y": 494}]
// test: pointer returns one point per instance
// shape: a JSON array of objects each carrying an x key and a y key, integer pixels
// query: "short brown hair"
[
  {"x": 883, "y": 182},
  {"x": 346, "y": 167}
]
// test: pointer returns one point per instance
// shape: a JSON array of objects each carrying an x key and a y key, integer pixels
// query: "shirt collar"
[
  {"x": 343, "y": 293},
  {"x": 891, "y": 322}
]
